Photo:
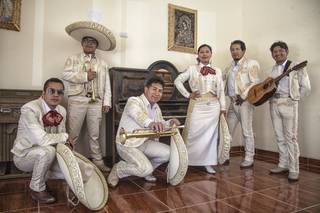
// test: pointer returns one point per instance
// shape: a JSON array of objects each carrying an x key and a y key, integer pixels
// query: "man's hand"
[
  {"x": 72, "y": 142},
  {"x": 194, "y": 95},
  {"x": 224, "y": 112},
  {"x": 239, "y": 100},
  {"x": 174, "y": 121},
  {"x": 156, "y": 126},
  {"x": 105, "y": 109},
  {"x": 91, "y": 75}
]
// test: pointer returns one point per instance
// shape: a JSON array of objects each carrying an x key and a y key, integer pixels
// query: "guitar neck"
[
  {"x": 277, "y": 79},
  {"x": 296, "y": 67}
]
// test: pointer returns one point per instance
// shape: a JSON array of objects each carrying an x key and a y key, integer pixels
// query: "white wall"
[
  {"x": 297, "y": 23},
  {"x": 39, "y": 50}
]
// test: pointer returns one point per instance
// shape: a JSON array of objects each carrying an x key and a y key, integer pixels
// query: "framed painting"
[
  {"x": 10, "y": 14},
  {"x": 182, "y": 29}
]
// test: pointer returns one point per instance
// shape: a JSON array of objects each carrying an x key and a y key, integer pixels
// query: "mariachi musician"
[
  {"x": 284, "y": 109},
  {"x": 141, "y": 156},
  {"x": 240, "y": 76}
]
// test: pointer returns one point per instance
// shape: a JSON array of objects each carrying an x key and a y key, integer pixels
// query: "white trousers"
[
  {"x": 80, "y": 109},
  {"x": 39, "y": 160},
  {"x": 284, "y": 115},
  {"x": 242, "y": 113},
  {"x": 143, "y": 160}
]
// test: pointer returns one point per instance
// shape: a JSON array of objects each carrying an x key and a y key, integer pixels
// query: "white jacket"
[
  {"x": 134, "y": 116},
  {"x": 203, "y": 84},
  {"x": 299, "y": 83},
  {"x": 247, "y": 76},
  {"x": 31, "y": 131},
  {"x": 76, "y": 77}
]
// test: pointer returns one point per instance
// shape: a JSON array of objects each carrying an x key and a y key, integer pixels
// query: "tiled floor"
[{"x": 231, "y": 190}]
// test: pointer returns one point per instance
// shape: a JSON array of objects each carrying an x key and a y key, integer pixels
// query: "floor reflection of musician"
[
  {"x": 207, "y": 100},
  {"x": 240, "y": 76},
  {"x": 141, "y": 156},
  {"x": 284, "y": 110}
]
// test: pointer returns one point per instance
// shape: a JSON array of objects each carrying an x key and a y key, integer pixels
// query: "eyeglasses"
[{"x": 52, "y": 91}]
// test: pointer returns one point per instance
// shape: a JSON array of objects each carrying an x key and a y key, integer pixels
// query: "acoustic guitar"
[{"x": 261, "y": 92}]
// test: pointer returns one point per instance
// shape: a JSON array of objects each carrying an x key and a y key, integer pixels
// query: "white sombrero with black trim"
[
  {"x": 88, "y": 184},
  {"x": 104, "y": 36}
]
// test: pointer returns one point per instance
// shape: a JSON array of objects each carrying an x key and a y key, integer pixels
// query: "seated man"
[
  {"x": 141, "y": 156},
  {"x": 41, "y": 127}
]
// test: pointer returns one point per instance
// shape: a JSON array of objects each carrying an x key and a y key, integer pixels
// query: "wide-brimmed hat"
[
  {"x": 104, "y": 36},
  {"x": 88, "y": 184}
]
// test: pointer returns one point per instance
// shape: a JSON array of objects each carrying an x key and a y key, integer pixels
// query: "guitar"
[{"x": 261, "y": 92}]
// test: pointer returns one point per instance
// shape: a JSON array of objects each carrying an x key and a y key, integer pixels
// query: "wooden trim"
[{"x": 308, "y": 164}]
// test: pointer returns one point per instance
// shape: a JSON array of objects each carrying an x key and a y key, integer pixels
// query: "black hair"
[
  {"x": 50, "y": 80},
  {"x": 154, "y": 79},
  {"x": 280, "y": 44},
  {"x": 90, "y": 38},
  {"x": 204, "y": 45},
  {"x": 241, "y": 43}
]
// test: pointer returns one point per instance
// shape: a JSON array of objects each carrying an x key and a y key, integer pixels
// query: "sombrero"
[
  {"x": 178, "y": 163},
  {"x": 104, "y": 36},
  {"x": 224, "y": 140},
  {"x": 93, "y": 192}
]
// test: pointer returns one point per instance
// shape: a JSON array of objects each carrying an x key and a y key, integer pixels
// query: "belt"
[
  {"x": 89, "y": 95},
  {"x": 277, "y": 95}
]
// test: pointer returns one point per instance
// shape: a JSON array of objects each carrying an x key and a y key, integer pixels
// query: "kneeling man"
[
  {"x": 141, "y": 156},
  {"x": 41, "y": 127}
]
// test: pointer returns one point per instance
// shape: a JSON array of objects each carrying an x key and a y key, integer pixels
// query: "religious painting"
[
  {"x": 10, "y": 14},
  {"x": 182, "y": 29}
]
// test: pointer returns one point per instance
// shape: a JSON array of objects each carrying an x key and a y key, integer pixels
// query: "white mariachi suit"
[
  {"x": 201, "y": 128},
  {"x": 34, "y": 148},
  {"x": 140, "y": 156},
  {"x": 284, "y": 114},
  {"x": 239, "y": 79},
  {"x": 79, "y": 106}
]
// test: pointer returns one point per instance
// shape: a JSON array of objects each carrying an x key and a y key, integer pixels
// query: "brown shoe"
[
  {"x": 42, "y": 197},
  {"x": 226, "y": 163}
]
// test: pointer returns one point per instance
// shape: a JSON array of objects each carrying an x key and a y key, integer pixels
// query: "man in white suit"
[
  {"x": 284, "y": 109},
  {"x": 141, "y": 156},
  {"x": 41, "y": 127},
  {"x": 88, "y": 84},
  {"x": 240, "y": 76}
]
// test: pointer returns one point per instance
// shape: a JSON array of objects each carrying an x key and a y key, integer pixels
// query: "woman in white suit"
[{"x": 207, "y": 101}]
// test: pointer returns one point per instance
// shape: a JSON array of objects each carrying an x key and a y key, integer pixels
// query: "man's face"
[
  {"x": 236, "y": 52},
  {"x": 153, "y": 93},
  {"x": 279, "y": 54},
  {"x": 89, "y": 45},
  {"x": 53, "y": 94}
]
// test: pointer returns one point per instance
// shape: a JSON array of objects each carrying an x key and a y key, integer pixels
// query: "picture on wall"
[
  {"x": 182, "y": 29},
  {"x": 10, "y": 14}
]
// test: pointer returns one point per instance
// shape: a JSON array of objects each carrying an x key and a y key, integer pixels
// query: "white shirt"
[
  {"x": 283, "y": 87},
  {"x": 232, "y": 79},
  {"x": 151, "y": 111}
]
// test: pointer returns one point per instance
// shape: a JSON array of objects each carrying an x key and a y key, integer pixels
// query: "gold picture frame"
[
  {"x": 10, "y": 14},
  {"x": 182, "y": 29}
]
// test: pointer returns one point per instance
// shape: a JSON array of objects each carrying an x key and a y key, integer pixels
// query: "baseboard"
[{"x": 308, "y": 164}]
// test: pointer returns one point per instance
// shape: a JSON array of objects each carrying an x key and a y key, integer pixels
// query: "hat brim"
[
  {"x": 178, "y": 163},
  {"x": 104, "y": 36},
  {"x": 94, "y": 192}
]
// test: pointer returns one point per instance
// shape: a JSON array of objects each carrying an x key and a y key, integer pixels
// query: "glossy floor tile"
[{"x": 231, "y": 189}]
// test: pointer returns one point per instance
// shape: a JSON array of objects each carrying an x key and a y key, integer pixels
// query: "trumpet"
[
  {"x": 91, "y": 65},
  {"x": 147, "y": 133}
]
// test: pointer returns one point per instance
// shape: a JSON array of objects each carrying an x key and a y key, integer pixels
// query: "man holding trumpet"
[
  {"x": 141, "y": 156},
  {"x": 88, "y": 84}
]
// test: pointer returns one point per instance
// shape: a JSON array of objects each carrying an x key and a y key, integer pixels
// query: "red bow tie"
[
  {"x": 206, "y": 70},
  {"x": 52, "y": 118}
]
